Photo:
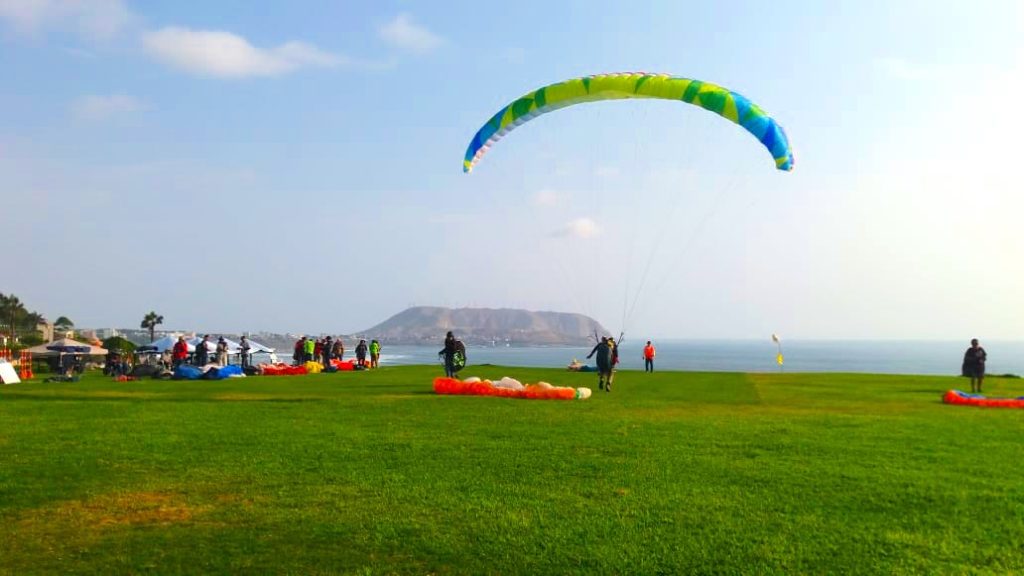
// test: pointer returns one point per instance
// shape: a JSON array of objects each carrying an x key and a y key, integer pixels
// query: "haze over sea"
[{"x": 862, "y": 356}]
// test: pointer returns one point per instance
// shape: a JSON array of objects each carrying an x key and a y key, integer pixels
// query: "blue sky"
[{"x": 297, "y": 166}]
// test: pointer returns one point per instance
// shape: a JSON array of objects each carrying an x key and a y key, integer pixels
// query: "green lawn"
[{"x": 372, "y": 473}]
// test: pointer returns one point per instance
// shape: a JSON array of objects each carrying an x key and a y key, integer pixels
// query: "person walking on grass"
[
  {"x": 374, "y": 353},
  {"x": 604, "y": 351},
  {"x": 974, "y": 365},
  {"x": 449, "y": 355},
  {"x": 649, "y": 357}
]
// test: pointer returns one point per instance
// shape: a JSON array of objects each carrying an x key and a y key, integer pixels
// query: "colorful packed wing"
[
  {"x": 711, "y": 97},
  {"x": 960, "y": 398},
  {"x": 508, "y": 388}
]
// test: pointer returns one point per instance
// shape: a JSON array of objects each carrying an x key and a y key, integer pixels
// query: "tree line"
[
  {"x": 22, "y": 325},
  {"x": 17, "y": 322}
]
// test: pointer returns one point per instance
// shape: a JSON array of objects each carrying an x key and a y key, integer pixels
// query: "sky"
[{"x": 296, "y": 166}]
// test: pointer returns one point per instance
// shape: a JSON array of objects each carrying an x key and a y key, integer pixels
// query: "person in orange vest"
[{"x": 649, "y": 357}]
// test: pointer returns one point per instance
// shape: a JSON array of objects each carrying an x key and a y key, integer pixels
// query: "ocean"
[{"x": 861, "y": 356}]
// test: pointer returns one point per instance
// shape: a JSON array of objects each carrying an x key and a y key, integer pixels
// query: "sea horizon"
[{"x": 882, "y": 356}]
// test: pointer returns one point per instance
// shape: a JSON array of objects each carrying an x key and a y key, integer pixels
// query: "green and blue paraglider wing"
[{"x": 721, "y": 101}]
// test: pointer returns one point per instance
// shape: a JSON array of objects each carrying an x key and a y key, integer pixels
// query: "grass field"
[{"x": 372, "y": 473}]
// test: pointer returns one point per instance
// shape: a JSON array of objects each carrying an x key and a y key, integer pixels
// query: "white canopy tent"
[
  {"x": 164, "y": 344},
  {"x": 233, "y": 347}
]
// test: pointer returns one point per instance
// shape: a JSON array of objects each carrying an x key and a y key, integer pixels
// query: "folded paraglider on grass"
[
  {"x": 966, "y": 399},
  {"x": 509, "y": 388}
]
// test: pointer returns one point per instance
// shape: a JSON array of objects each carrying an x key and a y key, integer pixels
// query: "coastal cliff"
[{"x": 428, "y": 324}]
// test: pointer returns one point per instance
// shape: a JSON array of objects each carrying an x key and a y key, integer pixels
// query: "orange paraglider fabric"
[
  {"x": 282, "y": 369},
  {"x": 485, "y": 388},
  {"x": 343, "y": 365}
]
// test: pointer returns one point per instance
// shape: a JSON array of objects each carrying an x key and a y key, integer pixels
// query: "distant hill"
[{"x": 428, "y": 324}]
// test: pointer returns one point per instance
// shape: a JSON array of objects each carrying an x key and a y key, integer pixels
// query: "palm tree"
[
  {"x": 32, "y": 320},
  {"x": 150, "y": 322},
  {"x": 63, "y": 325},
  {"x": 10, "y": 309}
]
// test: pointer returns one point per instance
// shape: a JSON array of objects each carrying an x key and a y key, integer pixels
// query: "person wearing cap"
[
  {"x": 327, "y": 351},
  {"x": 222, "y": 351}
]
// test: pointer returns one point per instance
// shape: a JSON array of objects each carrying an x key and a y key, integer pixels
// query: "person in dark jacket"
[
  {"x": 243, "y": 350},
  {"x": 605, "y": 363},
  {"x": 202, "y": 352},
  {"x": 327, "y": 351},
  {"x": 974, "y": 365},
  {"x": 449, "y": 355},
  {"x": 361, "y": 353}
]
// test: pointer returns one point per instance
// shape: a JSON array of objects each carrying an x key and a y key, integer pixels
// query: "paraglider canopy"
[{"x": 722, "y": 101}]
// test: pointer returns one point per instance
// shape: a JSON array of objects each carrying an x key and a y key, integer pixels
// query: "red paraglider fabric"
[
  {"x": 343, "y": 365},
  {"x": 281, "y": 369},
  {"x": 484, "y": 388},
  {"x": 964, "y": 399}
]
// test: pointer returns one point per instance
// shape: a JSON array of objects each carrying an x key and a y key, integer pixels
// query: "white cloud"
[
  {"x": 579, "y": 228},
  {"x": 226, "y": 55},
  {"x": 95, "y": 18},
  {"x": 405, "y": 34},
  {"x": 94, "y": 108},
  {"x": 546, "y": 198},
  {"x": 606, "y": 172}
]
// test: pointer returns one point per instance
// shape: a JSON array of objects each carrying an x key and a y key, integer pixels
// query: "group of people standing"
[
  {"x": 325, "y": 349},
  {"x": 220, "y": 351},
  {"x": 607, "y": 357},
  {"x": 201, "y": 356},
  {"x": 607, "y": 351},
  {"x": 454, "y": 358}
]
